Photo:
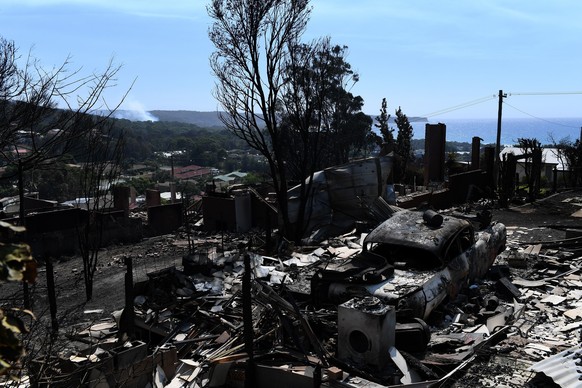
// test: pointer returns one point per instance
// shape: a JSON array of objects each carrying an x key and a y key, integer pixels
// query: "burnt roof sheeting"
[
  {"x": 563, "y": 367},
  {"x": 343, "y": 194},
  {"x": 407, "y": 228}
]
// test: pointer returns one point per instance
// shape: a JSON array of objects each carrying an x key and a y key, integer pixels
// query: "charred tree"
[
  {"x": 253, "y": 42},
  {"x": 283, "y": 97},
  {"x": 42, "y": 112},
  {"x": 532, "y": 150},
  {"x": 101, "y": 167}
]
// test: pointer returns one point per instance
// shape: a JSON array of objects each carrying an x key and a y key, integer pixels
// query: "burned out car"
[{"x": 413, "y": 260}]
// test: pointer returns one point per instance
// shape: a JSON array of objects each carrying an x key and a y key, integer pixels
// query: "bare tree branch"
[{"x": 252, "y": 41}]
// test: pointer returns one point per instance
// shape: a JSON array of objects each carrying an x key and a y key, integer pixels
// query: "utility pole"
[
  {"x": 498, "y": 143},
  {"x": 22, "y": 216}
]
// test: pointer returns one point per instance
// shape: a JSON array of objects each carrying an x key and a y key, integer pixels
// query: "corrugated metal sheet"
[
  {"x": 564, "y": 368},
  {"x": 343, "y": 194}
]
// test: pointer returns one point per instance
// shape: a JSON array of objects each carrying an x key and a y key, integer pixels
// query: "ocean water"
[{"x": 463, "y": 130}]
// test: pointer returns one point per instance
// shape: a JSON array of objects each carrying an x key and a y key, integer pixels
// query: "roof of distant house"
[
  {"x": 230, "y": 176},
  {"x": 21, "y": 151},
  {"x": 191, "y": 171},
  {"x": 224, "y": 178},
  {"x": 138, "y": 167},
  {"x": 237, "y": 174}
]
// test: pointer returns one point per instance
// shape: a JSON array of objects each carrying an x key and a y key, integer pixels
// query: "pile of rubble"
[{"x": 231, "y": 315}]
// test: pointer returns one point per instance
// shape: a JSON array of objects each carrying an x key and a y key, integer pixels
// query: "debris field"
[{"x": 355, "y": 310}]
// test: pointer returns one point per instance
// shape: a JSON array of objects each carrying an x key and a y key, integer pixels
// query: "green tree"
[
  {"x": 452, "y": 163},
  {"x": 356, "y": 132},
  {"x": 162, "y": 176},
  {"x": 386, "y": 140},
  {"x": 322, "y": 122},
  {"x": 141, "y": 184},
  {"x": 349, "y": 126},
  {"x": 59, "y": 183},
  {"x": 571, "y": 153},
  {"x": 403, "y": 149},
  {"x": 253, "y": 178}
]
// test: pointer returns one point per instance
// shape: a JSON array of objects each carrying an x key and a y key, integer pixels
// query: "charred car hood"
[{"x": 408, "y": 228}]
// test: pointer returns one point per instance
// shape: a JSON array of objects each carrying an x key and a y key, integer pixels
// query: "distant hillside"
[
  {"x": 411, "y": 119},
  {"x": 202, "y": 119}
]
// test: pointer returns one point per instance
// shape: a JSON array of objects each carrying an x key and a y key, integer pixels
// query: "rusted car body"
[{"x": 414, "y": 263}]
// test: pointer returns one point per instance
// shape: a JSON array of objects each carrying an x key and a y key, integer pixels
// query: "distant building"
[
  {"x": 550, "y": 160},
  {"x": 169, "y": 154},
  {"x": 20, "y": 151},
  {"x": 140, "y": 170},
  {"x": 232, "y": 178},
  {"x": 191, "y": 172},
  {"x": 167, "y": 195}
]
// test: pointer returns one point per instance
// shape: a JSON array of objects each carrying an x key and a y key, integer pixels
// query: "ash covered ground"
[{"x": 541, "y": 222}]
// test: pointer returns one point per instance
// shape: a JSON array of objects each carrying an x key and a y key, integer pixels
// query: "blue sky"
[{"x": 423, "y": 55}]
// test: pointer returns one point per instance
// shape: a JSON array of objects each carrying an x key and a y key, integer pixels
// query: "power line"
[
  {"x": 460, "y": 106},
  {"x": 539, "y": 118},
  {"x": 494, "y": 96},
  {"x": 542, "y": 93}
]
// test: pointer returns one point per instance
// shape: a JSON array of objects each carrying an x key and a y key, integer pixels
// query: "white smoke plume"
[{"x": 134, "y": 111}]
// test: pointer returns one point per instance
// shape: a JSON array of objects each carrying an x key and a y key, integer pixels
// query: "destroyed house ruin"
[{"x": 378, "y": 296}]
